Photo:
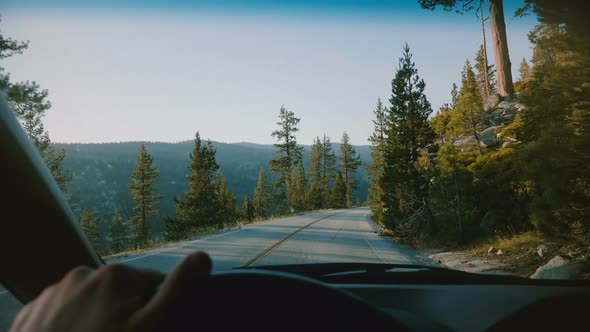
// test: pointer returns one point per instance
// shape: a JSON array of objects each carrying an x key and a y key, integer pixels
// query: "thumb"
[{"x": 194, "y": 268}]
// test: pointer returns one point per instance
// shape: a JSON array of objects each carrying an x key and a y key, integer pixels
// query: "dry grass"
[
  {"x": 159, "y": 242},
  {"x": 510, "y": 244},
  {"x": 520, "y": 251}
]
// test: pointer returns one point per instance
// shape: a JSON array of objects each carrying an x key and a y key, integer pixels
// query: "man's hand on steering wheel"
[{"x": 112, "y": 298}]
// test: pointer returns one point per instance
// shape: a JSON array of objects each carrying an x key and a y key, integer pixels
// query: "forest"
[
  {"x": 101, "y": 172},
  {"x": 500, "y": 158}
]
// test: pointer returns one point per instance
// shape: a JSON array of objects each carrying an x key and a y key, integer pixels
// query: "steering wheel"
[{"x": 268, "y": 300}]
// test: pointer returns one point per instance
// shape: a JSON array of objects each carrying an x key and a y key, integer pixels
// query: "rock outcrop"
[
  {"x": 501, "y": 114},
  {"x": 488, "y": 136},
  {"x": 558, "y": 268},
  {"x": 491, "y": 101},
  {"x": 461, "y": 142}
]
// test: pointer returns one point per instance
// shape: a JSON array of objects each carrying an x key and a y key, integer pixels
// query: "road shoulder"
[{"x": 464, "y": 261}]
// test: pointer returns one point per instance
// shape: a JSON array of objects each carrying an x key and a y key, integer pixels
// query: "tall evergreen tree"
[
  {"x": 200, "y": 205},
  {"x": 175, "y": 227},
  {"x": 487, "y": 88},
  {"x": 452, "y": 196},
  {"x": 409, "y": 133},
  {"x": 329, "y": 167},
  {"x": 467, "y": 118},
  {"x": 349, "y": 164},
  {"x": 338, "y": 192},
  {"x": 316, "y": 160},
  {"x": 289, "y": 152},
  {"x": 485, "y": 75},
  {"x": 303, "y": 183},
  {"x": 454, "y": 96},
  {"x": 377, "y": 165},
  {"x": 228, "y": 212},
  {"x": 90, "y": 222},
  {"x": 119, "y": 233},
  {"x": 248, "y": 213},
  {"x": 297, "y": 188},
  {"x": 440, "y": 122},
  {"x": 322, "y": 170},
  {"x": 555, "y": 153},
  {"x": 316, "y": 189},
  {"x": 144, "y": 195},
  {"x": 315, "y": 196},
  {"x": 525, "y": 71},
  {"x": 29, "y": 103},
  {"x": 262, "y": 196}
]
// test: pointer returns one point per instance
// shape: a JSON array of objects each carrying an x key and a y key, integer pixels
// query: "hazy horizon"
[
  {"x": 188, "y": 141},
  {"x": 117, "y": 72}
]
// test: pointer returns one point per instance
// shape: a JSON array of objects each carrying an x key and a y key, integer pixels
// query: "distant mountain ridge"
[{"x": 101, "y": 171}]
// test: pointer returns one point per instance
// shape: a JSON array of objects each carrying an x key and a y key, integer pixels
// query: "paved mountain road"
[
  {"x": 328, "y": 236},
  {"x": 319, "y": 237}
]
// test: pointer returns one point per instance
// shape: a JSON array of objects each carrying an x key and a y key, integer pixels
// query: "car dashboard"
[{"x": 479, "y": 307}]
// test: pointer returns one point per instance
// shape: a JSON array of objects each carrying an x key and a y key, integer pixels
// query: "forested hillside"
[{"x": 101, "y": 172}]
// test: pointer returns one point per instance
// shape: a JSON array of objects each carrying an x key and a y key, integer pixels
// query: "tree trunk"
[
  {"x": 486, "y": 83},
  {"x": 500, "y": 43}
]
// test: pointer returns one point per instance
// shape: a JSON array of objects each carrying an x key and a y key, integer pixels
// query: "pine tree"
[
  {"x": 409, "y": 133},
  {"x": 485, "y": 75},
  {"x": 175, "y": 227},
  {"x": 297, "y": 188},
  {"x": 228, "y": 211},
  {"x": 90, "y": 222},
  {"x": 291, "y": 191},
  {"x": 119, "y": 233},
  {"x": 201, "y": 204},
  {"x": 315, "y": 196},
  {"x": 248, "y": 213},
  {"x": 375, "y": 168},
  {"x": 452, "y": 197},
  {"x": 316, "y": 189},
  {"x": 302, "y": 183},
  {"x": 143, "y": 191},
  {"x": 467, "y": 118},
  {"x": 349, "y": 163},
  {"x": 262, "y": 197},
  {"x": 555, "y": 153},
  {"x": 338, "y": 192},
  {"x": 289, "y": 152},
  {"x": 454, "y": 96},
  {"x": 328, "y": 169},
  {"x": 440, "y": 124},
  {"x": 525, "y": 71},
  {"x": 486, "y": 78},
  {"x": 29, "y": 103}
]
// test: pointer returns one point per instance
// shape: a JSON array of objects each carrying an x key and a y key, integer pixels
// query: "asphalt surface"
[{"x": 321, "y": 237}]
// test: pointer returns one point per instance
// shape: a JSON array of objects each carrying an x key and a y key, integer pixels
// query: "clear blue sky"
[{"x": 118, "y": 71}]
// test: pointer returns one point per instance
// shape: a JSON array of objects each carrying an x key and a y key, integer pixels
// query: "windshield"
[{"x": 435, "y": 133}]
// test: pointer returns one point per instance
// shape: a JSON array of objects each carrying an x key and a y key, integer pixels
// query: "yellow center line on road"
[{"x": 264, "y": 253}]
